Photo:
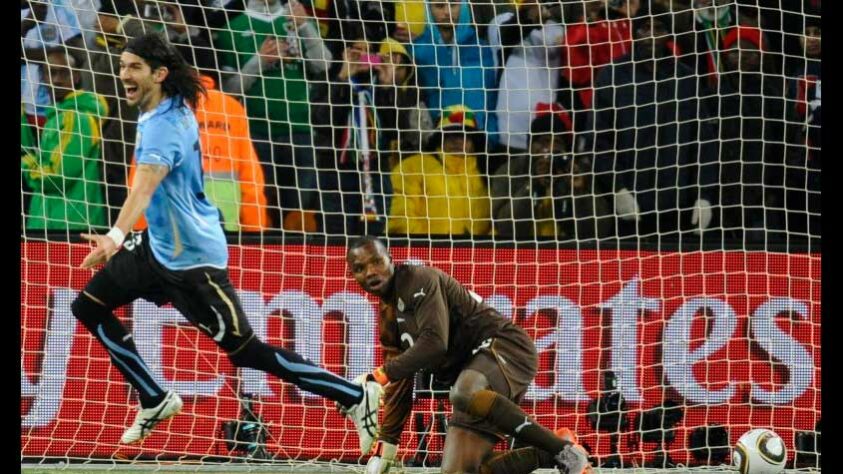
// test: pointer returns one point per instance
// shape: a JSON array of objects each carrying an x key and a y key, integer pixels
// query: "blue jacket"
[{"x": 461, "y": 73}]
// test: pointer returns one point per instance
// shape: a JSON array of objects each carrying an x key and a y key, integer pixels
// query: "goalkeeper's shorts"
[{"x": 509, "y": 361}]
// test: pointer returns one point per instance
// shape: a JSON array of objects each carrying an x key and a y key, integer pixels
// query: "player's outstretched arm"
[{"x": 147, "y": 179}]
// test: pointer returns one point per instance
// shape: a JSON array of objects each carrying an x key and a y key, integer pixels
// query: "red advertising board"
[{"x": 732, "y": 336}]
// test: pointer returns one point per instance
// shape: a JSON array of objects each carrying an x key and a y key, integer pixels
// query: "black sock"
[
  {"x": 511, "y": 419},
  {"x": 111, "y": 333},
  {"x": 292, "y": 367}
]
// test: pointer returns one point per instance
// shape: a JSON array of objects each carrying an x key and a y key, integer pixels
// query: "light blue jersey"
[{"x": 184, "y": 228}]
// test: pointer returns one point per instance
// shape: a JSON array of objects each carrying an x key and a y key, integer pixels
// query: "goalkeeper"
[
  {"x": 182, "y": 257},
  {"x": 429, "y": 321}
]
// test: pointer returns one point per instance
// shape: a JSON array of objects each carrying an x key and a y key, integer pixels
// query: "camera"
[
  {"x": 370, "y": 59},
  {"x": 246, "y": 436}
]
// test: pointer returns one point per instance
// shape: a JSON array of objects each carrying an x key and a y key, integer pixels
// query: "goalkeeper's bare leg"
[{"x": 484, "y": 398}]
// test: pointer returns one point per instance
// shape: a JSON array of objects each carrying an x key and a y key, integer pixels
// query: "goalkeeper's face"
[{"x": 372, "y": 267}]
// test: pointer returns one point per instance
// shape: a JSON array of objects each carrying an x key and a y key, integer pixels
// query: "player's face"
[
  {"x": 372, "y": 267},
  {"x": 445, "y": 12},
  {"x": 140, "y": 82},
  {"x": 651, "y": 39},
  {"x": 60, "y": 76},
  {"x": 812, "y": 42},
  {"x": 745, "y": 57}
]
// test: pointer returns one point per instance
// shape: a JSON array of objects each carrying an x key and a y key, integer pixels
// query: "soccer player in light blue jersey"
[{"x": 182, "y": 257}]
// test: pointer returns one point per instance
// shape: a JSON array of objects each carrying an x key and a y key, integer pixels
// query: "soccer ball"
[{"x": 759, "y": 451}]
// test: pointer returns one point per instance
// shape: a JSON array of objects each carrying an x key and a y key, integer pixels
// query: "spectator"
[
  {"x": 233, "y": 176},
  {"x": 267, "y": 54},
  {"x": 525, "y": 46},
  {"x": 411, "y": 16},
  {"x": 546, "y": 193},
  {"x": 805, "y": 157},
  {"x": 351, "y": 182},
  {"x": 600, "y": 35},
  {"x": 443, "y": 193},
  {"x": 338, "y": 22},
  {"x": 653, "y": 142},
  {"x": 713, "y": 19},
  {"x": 405, "y": 120},
  {"x": 396, "y": 123},
  {"x": 65, "y": 173},
  {"x": 753, "y": 133},
  {"x": 234, "y": 179},
  {"x": 47, "y": 24},
  {"x": 28, "y": 145},
  {"x": 455, "y": 66},
  {"x": 410, "y": 19},
  {"x": 184, "y": 30}
]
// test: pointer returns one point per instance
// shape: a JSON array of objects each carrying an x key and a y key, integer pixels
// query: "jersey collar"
[{"x": 163, "y": 105}]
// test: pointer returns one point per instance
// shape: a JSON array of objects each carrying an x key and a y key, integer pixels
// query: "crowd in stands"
[{"x": 561, "y": 120}]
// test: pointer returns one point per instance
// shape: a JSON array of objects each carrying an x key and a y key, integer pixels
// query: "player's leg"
[
  {"x": 487, "y": 391},
  {"x": 126, "y": 277},
  {"x": 93, "y": 307},
  {"x": 214, "y": 307},
  {"x": 465, "y": 450},
  {"x": 523, "y": 460}
]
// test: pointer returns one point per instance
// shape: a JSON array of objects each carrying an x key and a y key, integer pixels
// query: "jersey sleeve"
[
  {"x": 422, "y": 292},
  {"x": 160, "y": 144}
]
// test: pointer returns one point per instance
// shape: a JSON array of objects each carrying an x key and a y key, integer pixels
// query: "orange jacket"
[{"x": 228, "y": 160}]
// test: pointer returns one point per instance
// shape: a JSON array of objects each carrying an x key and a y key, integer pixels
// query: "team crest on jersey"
[{"x": 401, "y": 305}]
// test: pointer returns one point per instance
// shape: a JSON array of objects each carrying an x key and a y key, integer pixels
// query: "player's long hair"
[{"x": 157, "y": 51}]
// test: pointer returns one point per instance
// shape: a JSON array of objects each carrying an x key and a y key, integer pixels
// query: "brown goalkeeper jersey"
[{"x": 428, "y": 321}]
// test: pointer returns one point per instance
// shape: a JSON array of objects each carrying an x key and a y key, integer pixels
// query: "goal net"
[{"x": 633, "y": 182}]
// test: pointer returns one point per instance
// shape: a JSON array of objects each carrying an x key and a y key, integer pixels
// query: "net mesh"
[{"x": 635, "y": 183}]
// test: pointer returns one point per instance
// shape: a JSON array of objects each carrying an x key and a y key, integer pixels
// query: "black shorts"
[
  {"x": 509, "y": 361},
  {"x": 204, "y": 295}
]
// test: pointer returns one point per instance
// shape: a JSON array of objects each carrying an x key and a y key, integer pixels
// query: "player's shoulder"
[
  {"x": 171, "y": 123},
  {"x": 415, "y": 281}
]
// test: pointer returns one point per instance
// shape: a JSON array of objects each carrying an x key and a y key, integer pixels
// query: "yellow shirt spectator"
[{"x": 442, "y": 193}]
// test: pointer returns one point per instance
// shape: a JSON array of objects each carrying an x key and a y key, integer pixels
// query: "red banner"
[{"x": 733, "y": 337}]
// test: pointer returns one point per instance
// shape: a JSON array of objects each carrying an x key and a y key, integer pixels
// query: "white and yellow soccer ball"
[{"x": 759, "y": 451}]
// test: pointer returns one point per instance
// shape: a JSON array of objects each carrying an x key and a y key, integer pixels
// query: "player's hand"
[
  {"x": 299, "y": 13},
  {"x": 177, "y": 22},
  {"x": 106, "y": 248},
  {"x": 271, "y": 51},
  {"x": 626, "y": 207},
  {"x": 382, "y": 459},
  {"x": 702, "y": 214}
]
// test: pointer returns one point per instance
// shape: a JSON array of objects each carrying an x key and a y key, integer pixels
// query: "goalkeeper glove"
[
  {"x": 383, "y": 459},
  {"x": 379, "y": 376}
]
